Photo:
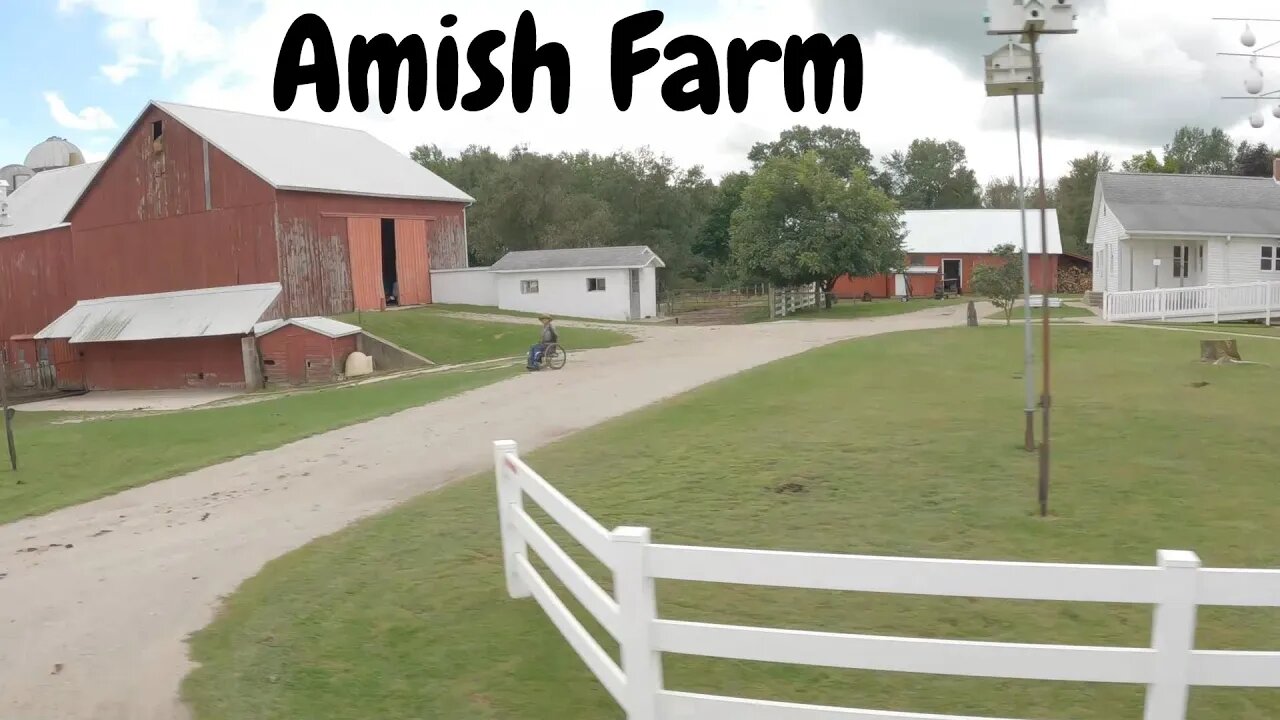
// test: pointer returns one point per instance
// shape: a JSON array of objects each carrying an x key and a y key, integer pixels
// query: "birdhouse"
[
  {"x": 1010, "y": 72},
  {"x": 1021, "y": 17}
]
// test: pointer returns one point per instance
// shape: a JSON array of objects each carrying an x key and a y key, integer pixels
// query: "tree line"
[{"x": 815, "y": 203}]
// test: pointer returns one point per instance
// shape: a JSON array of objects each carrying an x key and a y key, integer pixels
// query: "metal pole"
[
  {"x": 1028, "y": 354},
  {"x": 4, "y": 408},
  {"x": 1046, "y": 396}
]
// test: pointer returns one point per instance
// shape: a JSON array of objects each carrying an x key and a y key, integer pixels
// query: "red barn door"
[
  {"x": 413, "y": 265},
  {"x": 364, "y": 238}
]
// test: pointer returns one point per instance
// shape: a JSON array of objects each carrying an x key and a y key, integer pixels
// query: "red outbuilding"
[
  {"x": 305, "y": 350},
  {"x": 943, "y": 247}
]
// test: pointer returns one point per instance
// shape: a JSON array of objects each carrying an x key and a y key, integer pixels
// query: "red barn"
[
  {"x": 944, "y": 247},
  {"x": 304, "y": 350},
  {"x": 194, "y": 198}
]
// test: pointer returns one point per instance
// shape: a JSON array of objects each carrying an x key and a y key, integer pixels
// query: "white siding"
[
  {"x": 1106, "y": 251},
  {"x": 564, "y": 293},
  {"x": 1241, "y": 261},
  {"x": 1216, "y": 259},
  {"x": 474, "y": 286}
]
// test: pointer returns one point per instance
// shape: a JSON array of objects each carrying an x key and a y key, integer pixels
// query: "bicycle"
[{"x": 554, "y": 357}]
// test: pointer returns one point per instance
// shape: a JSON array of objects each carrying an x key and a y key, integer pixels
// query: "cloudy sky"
[{"x": 1137, "y": 70}]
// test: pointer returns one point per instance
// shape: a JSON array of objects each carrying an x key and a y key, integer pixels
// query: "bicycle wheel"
[{"x": 556, "y": 358}]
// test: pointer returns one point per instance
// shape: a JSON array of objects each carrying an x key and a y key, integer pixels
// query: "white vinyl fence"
[
  {"x": 1200, "y": 303},
  {"x": 788, "y": 301},
  {"x": 1176, "y": 587}
]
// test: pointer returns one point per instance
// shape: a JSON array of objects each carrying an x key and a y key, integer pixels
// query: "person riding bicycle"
[{"x": 549, "y": 337}]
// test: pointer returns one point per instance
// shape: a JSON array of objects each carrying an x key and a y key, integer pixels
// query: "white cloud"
[
  {"x": 89, "y": 118},
  {"x": 127, "y": 67},
  {"x": 176, "y": 30}
]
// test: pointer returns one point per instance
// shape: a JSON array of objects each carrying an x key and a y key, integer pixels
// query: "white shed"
[{"x": 608, "y": 283}]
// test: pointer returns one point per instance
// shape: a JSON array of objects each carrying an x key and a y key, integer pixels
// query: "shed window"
[
  {"x": 1271, "y": 258},
  {"x": 595, "y": 284},
  {"x": 528, "y": 287},
  {"x": 917, "y": 260},
  {"x": 157, "y": 129}
]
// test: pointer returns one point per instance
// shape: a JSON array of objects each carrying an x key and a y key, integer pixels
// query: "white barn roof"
[
  {"x": 298, "y": 155},
  {"x": 598, "y": 258},
  {"x": 976, "y": 231},
  {"x": 43, "y": 201},
  {"x": 322, "y": 325},
  {"x": 209, "y": 312}
]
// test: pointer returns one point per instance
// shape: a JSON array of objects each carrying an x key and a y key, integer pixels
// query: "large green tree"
[
  {"x": 932, "y": 175},
  {"x": 1148, "y": 163},
  {"x": 711, "y": 248},
  {"x": 1074, "y": 199},
  {"x": 840, "y": 150},
  {"x": 800, "y": 223},
  {"x": 1254, "y": 159},
  {"x": 1197, "y": 151}
]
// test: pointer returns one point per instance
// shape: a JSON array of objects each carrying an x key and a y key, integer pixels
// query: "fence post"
[
  {"x": 1216, "y": 304},
  {"x": 773, "y": 303},
  {"x": 633, "y": 590},
  {"x": 1270, "y": 286},
  {"x": 509, "y": 497},
  {"x": 1173, "y": 636},
  {"x": 1162, "y": 296}
]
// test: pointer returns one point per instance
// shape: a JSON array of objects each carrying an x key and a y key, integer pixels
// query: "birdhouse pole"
[{"x": 1030, "y": 19}]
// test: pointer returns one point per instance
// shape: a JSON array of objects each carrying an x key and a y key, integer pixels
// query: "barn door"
[
  {"x": 364, "y": 239},
  {"x": 413, "y": 265}
]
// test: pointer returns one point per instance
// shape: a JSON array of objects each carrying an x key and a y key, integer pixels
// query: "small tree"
[{"x": 1002, "y": 283}]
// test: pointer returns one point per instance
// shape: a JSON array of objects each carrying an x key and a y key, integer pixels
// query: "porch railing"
[{"x": 1201, "y": 303}]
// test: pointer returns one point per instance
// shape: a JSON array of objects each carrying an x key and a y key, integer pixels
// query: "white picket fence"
[
  {"x": 1203, "y": 303},
  {"x": 788, "y": 301},
  {"x": 1177, "y": 586}
]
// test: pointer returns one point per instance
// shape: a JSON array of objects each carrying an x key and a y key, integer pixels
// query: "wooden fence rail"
[
  {"x": 1176, "y": 586},
  {"x": 788, "y": 301}
]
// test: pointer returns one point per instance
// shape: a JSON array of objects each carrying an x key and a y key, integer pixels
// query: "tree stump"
[
  {"x": 973, "y": 315},
  {"x": 1219, "y": 351}
]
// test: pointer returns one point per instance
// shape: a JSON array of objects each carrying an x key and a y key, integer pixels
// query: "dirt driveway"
[{"x": 96, "y": 600}]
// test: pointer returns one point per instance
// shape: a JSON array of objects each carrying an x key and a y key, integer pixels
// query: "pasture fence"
[{"x": 1176, "y": 587}]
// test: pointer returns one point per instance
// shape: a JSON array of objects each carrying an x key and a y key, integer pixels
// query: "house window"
[
  {"x": 1200, "y": 260},
  {"x": 595, "y": 284},
  {"x": 528, "y": 287},
  {"x": 1271, "y": 258}
]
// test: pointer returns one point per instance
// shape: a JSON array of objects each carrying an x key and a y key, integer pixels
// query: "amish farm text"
[{"x": 690, "y": 86}]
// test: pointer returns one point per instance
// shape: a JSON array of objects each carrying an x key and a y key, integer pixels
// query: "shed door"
[
  {"x": 364, "y": 239},
  {"x": 413, "y": 264},
  {"x": 296, "y": 357},
  {"x": 635, "y": 294}
]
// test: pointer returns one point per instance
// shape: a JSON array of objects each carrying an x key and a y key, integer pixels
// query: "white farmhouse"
[
  {"x": 1186, "y": 247},
  {"x": 606, "y": 283}
]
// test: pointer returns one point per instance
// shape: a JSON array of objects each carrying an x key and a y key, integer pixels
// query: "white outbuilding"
[{"x": 606, "y": 283}]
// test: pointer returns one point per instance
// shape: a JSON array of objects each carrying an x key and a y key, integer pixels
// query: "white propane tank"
[{"x": 358, "y": 365}]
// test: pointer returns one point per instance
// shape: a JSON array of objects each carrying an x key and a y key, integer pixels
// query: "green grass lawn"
[
  {"x": 450, "y": 340},
  {"x": 1066, "y": 311},
  {"x": 1235, "y": 327},
  {"x": 851, "y": 309},
  {"x": 907, "y": 444},
  {"x": 489, "y": 310},
  {"x": 66, "y": 464}
]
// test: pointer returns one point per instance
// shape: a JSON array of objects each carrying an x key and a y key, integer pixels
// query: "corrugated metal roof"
[
  {"x": 632, "y": 256},
  {"x": 322, "y": 325},
  {"x": 1214, "y": 204},
  {"x": 298, "y": 155},
  {"x": 44, "y": 201},
  {"x": 976, "y": 231},
  {"x": 185, "y": 314}
]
